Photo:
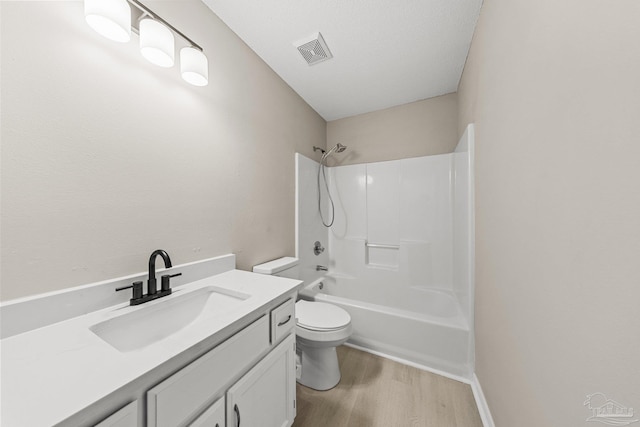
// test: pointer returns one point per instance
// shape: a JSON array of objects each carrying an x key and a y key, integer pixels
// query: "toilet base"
[{"x": 320, "y": 370}]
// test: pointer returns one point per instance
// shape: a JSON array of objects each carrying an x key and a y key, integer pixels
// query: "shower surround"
[{"x": 400, "y": 253}]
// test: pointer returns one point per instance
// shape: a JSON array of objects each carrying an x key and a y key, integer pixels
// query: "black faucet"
[
  {"x": 152, "y": 289},
  {"x": 151, "y": 283}
]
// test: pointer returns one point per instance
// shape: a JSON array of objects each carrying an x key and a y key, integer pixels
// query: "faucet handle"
[
  {"x": 137, "y": 289},
  {"x": 317, "y": 248},
  {"x": 164, "y": 282}
]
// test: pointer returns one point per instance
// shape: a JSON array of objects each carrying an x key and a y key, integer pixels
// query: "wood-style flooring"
[{"x": 375, "y": 391}]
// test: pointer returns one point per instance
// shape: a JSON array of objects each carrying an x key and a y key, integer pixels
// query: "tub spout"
[{"x": 321, "y": 268}]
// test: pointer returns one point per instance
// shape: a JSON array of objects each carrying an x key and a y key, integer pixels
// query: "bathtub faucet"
[{"x": 321, "y": 268}]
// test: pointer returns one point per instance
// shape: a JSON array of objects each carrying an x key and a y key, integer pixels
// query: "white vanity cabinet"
[
  {"x": 263, "y": 397},
  {"x": 221, "y": 331},
  {"x": 252, "y": 373}
]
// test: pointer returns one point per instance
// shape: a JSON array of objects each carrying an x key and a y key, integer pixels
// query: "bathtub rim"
[{"x": 456, "y": 322}]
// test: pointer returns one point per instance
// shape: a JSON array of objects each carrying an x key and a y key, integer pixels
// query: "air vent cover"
[{"x": 313, "y": 49}]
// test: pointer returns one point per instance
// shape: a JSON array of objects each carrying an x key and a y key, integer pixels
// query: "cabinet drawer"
[
  {"x": 283, "y": 319},
  {"x": 176, "y": 400}
]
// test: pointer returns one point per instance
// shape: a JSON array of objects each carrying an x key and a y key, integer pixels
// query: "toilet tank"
[{"x": 283, "y": 267}]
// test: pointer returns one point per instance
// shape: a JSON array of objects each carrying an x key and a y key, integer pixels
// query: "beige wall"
[
  {"x": 106, "y": 157},
  {"x": 554, "y": 90},
  {"x": 417, "y": 129}
]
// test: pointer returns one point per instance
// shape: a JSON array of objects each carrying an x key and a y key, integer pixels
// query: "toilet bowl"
[{"x": 320, "y": 328}]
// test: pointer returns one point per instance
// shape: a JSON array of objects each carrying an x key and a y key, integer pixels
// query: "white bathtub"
[{"x": 423, "y": 326}]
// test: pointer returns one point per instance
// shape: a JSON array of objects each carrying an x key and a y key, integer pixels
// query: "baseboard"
[{"x": 481, "y": 403}]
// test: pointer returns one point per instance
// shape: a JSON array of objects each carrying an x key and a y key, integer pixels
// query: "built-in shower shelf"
[
  {"x": 382, "y": 255},
  {"x": 382, "y": 246}
]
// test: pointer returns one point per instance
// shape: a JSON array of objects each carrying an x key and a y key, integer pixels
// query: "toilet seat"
[{"x": 320, "y": 316}]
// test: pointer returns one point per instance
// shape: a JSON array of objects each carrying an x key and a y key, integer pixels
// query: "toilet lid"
[{"x": 321, "y": 316}]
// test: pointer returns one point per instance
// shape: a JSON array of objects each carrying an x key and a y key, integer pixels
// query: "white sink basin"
[{"x": 164, "y": 317}]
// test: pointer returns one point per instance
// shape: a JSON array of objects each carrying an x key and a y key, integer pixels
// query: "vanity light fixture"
[
  {"x": 110, "y": 18},
  {"x": 157, "y": 44},
  {"x": 113, "y": 20},
  {"x": 194, "y": 66}
]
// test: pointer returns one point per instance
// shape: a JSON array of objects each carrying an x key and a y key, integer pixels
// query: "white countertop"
[{"x": 51, "y": 373}]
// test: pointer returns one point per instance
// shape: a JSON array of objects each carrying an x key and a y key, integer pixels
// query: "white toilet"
[{"x": 320, "y": 328}]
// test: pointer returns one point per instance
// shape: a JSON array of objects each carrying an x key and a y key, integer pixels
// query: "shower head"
[{"x": 339, "y": 148}]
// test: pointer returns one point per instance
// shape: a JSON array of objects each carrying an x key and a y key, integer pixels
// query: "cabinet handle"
[
  {"x": 284, "y": 322},
  {"x": 237, "y": 411}
]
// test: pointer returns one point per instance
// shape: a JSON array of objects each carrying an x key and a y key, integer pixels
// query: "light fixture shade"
[
  {"x": 194, "y": 66},
  {"x": 110, "y": 18},
  {"x": 156, "y": 43}
]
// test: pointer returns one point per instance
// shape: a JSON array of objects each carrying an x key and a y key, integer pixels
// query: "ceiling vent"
[{"x": 313, "y": 49}]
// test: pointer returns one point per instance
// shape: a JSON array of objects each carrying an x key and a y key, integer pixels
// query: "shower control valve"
[{"x": 317, "y": 248}]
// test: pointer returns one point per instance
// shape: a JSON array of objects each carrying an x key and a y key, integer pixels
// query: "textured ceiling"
[{"x": 385, "y": 52}]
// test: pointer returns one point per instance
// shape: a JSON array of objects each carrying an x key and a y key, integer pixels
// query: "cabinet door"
[
  {"x": 266, "y": 395},
  {"x": 124, "y": 417},
  {"x": 212, "y": 417}
]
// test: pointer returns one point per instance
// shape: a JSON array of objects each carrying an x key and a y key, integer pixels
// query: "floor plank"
[{"x": 378, "y": 392}]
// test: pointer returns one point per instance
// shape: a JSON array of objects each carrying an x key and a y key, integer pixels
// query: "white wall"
[
  {"x": 554, "y": 91},
  {"x": 106, "y": 157},
  {"x": 416, "y": 129}
]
